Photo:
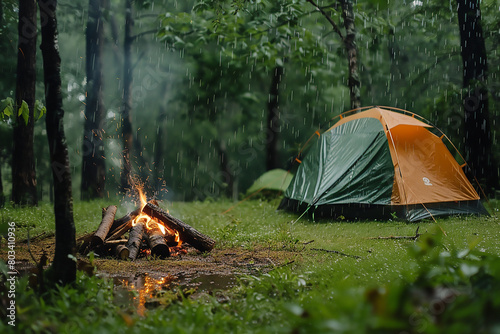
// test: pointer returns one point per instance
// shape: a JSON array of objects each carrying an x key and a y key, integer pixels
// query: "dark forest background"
[{"x": 204, "y": 96}]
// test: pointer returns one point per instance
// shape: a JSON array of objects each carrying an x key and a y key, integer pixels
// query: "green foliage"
[
  {"x": 40, "y": 110},
  {"x": 54, "y": 311},
  {"x": 7, "y": 110},
  {"x": 24, "y": 111},
  {"x": 450, "y": 289}
]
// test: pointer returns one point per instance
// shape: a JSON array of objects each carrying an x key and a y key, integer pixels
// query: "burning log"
[
  {"x": 104, "y": 227},
  {"x": 186, "y": 233},
  {"x": 157, "y": 243},
  {"x": 122, "y": 225},
  {"x": 171, "y": 240},
  {"x": 118, "y": 223},
  {"x": 135, "y": 240}
]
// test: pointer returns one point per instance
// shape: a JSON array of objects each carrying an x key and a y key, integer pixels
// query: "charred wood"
[
  {"x": 186, "y": 233},
  {"x": 128, "y": 217},
  {"x": 118, "y": 223},
  {"x": 157, "y": 243}
]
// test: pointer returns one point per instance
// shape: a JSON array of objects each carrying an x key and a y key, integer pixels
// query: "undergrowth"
[
  {"x": 444, "y": 282},
  {"x": 454, "y": 291}
]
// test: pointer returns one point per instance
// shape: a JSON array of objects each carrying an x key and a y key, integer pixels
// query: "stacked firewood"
[{"x": 150, "y": 230}]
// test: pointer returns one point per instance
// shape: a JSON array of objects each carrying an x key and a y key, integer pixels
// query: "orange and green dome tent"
[{"x": 378, "y": 163}]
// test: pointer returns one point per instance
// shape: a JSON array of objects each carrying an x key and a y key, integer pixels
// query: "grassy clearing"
[{"x": 381, "y": 286}]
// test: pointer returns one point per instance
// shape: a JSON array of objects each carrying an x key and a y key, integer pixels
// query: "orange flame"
[
  {"x": 150, "y": 222},
  {"x": 143, "y": 198},
  {"x": 178, "y": 238}
]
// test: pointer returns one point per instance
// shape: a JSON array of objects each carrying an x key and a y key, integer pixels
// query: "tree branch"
[
  {"x": 329, "y": 18},
  {"x": 133, "y": 38}
]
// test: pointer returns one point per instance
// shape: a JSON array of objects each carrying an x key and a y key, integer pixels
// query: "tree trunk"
[
  {"x": 226, "y": 174},
  {"x": 23, "y": 158},
  {"x": 159, "y": 159},
  {"x": 64, "y": 267},
  {"x": 93, "y": 163},
  {"x": 2, "y": 197},
  {"x": 352, "y": 53},
  {"x": 477, "y": 132},
  {"x": 273, "y": 120},
  {"x": 349, "y": 41},
  {"x": 127, "y": 98}
]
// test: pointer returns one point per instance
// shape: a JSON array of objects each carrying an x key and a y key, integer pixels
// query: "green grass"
[{"x": 391, "y": 285}]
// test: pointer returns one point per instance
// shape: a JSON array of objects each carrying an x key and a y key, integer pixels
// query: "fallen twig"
[
  {"x": 414, "y": 237},
  {"x": 283, "y": 265},
  {"x": 116, "y": 242},
  {"x": 41, "y": 236},
  {"x": 336, "y": 252}
]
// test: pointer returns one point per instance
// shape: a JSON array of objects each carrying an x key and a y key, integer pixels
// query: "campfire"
[{"x": 151, "y": 231}]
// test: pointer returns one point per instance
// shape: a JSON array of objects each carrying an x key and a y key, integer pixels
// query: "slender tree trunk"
[
  {"x": 1, "y": 13},
  {"x": 93, "y": 161},
  {"x": 64, "y": 268},
  {"x": 127, "y": 98},
  {"x": 349, "y": 41},
  {"x": 23, "y": 158},
  {"x": 226, "y": 174},
  {"x": 354, "y": 82},
  {"x": 2, "y": 197},
  {"x": 159, "y": 160},
  {"x": 273, "y": 120},
  {"x": 478, "y": 140}
]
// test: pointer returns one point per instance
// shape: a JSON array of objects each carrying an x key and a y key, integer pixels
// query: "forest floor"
[
  {"x": 253, "y": 239},
  {"x": 216, "y": 269},
  {"x": 270, "y": 271}
]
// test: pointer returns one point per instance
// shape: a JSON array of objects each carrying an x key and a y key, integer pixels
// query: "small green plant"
[{"x": 7, "y": 110}]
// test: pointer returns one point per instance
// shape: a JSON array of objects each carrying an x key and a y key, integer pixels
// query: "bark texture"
[
  {"x": 352, "y": 53},
  {"x": 63, "y": 266},
  {"x": 186, "y": 233},
  {"x": 127, "y": 136},
  {"x": 105, "y": 226},
  {"x": 135, "y": 240},
  {"x": 273, "y": 120},
  {"x": 93, "y": 154},
  {"x": 23, "y": 158},
  {"x": 477, "y": 130}
]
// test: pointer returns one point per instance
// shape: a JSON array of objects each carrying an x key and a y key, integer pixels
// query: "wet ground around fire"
[{"x": 150, "y": 282}]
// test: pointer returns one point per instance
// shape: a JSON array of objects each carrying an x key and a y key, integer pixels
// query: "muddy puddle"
[{"x": 146, "y": 291}]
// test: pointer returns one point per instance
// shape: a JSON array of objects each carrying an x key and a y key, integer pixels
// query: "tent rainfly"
[
  {"x": 273, "y": 181},
  {"x": 380, "y": 163}
]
